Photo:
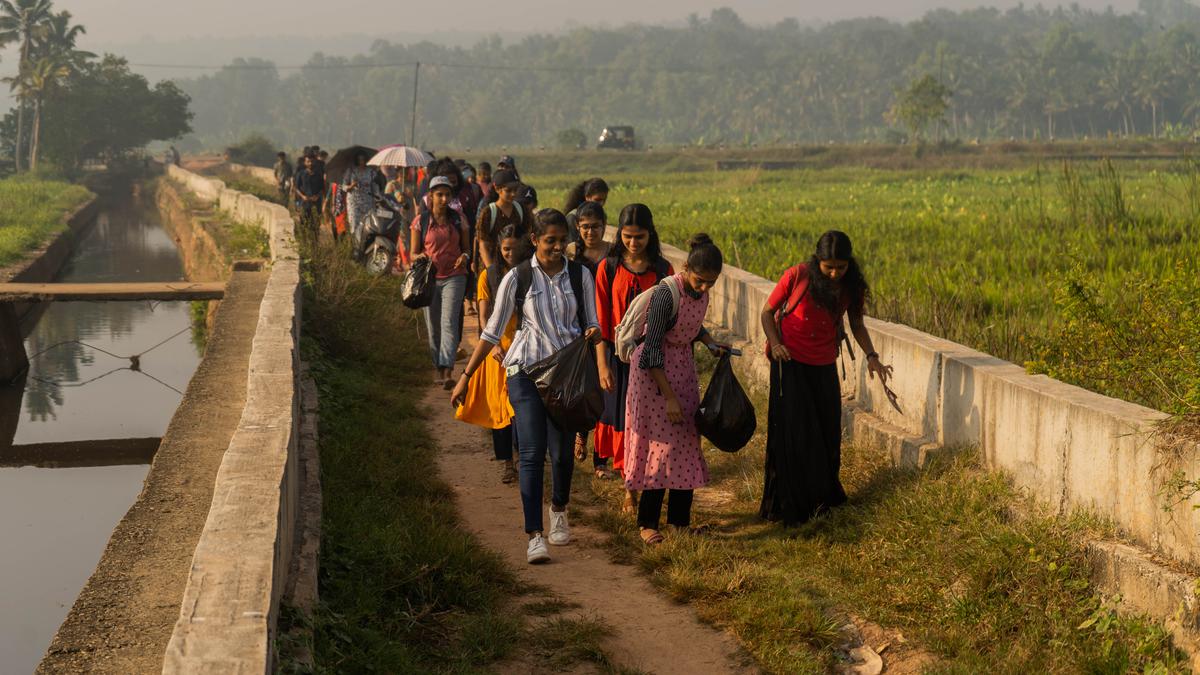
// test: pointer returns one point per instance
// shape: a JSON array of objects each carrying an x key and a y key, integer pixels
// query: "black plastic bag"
[
  {"x": 418, "y": 287},
  {"x": 726, "y": 415},
  {"x": 569, "y": 385}
]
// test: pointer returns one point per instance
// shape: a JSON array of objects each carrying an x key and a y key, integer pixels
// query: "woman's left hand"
[{"x": 876, "y": 367}]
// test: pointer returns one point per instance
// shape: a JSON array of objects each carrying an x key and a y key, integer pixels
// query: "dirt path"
[
  {"x": 123, "y": 618},
  {"x": 649, "y": 632}
]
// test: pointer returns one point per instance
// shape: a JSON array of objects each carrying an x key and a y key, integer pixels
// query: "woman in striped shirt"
[{"x": 559, "y": 306}]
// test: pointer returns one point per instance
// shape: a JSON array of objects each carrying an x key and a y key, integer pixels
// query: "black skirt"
[
  {"x": 614, "y": 403},
  {"x": 804, "y": 443}
]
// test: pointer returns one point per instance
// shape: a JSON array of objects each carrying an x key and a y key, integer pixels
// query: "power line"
[{"x": 467, "y": 66}]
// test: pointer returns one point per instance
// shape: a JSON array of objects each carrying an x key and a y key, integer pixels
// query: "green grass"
[
  {"x": 403, "y": 588},
  {"x": 975, "y": 256},
  {"x": 957, "y": 559},
  {"x": 244, "y": 182},
  {"x": 32, "y": 212}
]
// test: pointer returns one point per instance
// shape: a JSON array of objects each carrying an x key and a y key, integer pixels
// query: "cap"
[
  {"x": 440, "y": 181},
  {"x": 507, "y": 160},
  {"x": 505, "y": 178}
]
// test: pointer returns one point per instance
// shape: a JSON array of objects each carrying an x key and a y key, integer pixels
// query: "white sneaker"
[
  {"x": 560, "y": 531},
  {"x": 537, "y": 551}
]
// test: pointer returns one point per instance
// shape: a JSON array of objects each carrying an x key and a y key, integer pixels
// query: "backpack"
[
  {"x": 632, "y": 330},
  {"x": 493, "y": 208},
  {"x": 495, "y": 274},
  {"x": 427, "y": 217},
  {"x": 795, "y": 297},
  {"x": 524, "y": 273}
]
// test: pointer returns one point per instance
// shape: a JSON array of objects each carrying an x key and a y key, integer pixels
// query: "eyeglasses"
[{"x": 593, "y": 226}]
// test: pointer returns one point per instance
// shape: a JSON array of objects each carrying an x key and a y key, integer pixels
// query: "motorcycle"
[{"x": 376, "y": 242}]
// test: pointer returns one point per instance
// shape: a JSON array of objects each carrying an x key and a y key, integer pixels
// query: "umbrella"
[
  {"x": 343, "y": 159},
  {"x": 401, "y": 155}
]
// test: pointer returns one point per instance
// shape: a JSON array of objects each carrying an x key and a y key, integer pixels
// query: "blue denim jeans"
[
  {"x": 537, "y": 434},
  {"x": 443, "y": 320}
]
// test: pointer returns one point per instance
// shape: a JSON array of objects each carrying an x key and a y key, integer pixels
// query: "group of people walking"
[
  {"x": 547, "y": 278},
  {"x": 539, "y": 280}
]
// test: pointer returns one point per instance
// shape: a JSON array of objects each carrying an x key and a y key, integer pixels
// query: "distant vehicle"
[{"x": 621, "y": 138}]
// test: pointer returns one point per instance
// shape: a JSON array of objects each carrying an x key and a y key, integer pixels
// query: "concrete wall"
[
  {"x": 239, "y": 570},
  {"x": 1070, "y": 447}
]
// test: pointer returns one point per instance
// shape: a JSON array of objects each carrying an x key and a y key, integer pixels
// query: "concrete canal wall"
[
  {"x": 1069, "y": 447},
  {"x": 241, "y": 564}
]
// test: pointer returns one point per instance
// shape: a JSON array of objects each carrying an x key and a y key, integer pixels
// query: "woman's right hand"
[
  {"x": 607, "y": 382},
  {"x": 779, "y": 352},
  {"x": 674, "y": 411},
  {"x": 460, "y": 392}
]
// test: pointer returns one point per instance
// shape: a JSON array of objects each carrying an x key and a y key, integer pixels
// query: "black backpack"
[{"x": 524, "y": 273}]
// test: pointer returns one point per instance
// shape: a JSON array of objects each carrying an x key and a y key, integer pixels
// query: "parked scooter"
[{"x": 376, "y": 242}]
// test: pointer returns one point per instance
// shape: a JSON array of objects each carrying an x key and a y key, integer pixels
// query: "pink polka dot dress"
[{"x": 658, "y": 453}]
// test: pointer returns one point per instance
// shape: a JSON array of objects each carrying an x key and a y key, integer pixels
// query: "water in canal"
[{"x": 56, "y": 518}]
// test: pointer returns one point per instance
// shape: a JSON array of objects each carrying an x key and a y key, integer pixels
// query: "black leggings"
[
  {"x": 503, "y": 442},
  {"x": 679, "y": 508}
]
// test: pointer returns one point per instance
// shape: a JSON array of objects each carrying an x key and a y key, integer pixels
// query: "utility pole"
[{"x": 412, "y": 133}]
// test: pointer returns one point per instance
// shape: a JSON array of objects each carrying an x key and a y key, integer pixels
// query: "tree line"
[
  {"x": 72, "y": 105},
  {"x": 1026, "y": 73}
]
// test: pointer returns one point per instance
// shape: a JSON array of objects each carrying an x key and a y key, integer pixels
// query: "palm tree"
[
  {"x": 46, "y": 74},
  {"x": 54, "y": 60},
  {"x": 20, "y": 21}
]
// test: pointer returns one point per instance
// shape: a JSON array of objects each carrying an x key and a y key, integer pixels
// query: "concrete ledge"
[
  {"x": 1151, "y": 588},
  {"x": 906, "y": 450},
  {"x": 241, "y": 564}
]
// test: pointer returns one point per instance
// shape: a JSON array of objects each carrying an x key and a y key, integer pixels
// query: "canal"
[{"x": 77, "y": 438}]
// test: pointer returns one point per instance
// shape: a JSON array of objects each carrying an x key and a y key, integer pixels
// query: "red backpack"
[{"x": 794, "y": 297}]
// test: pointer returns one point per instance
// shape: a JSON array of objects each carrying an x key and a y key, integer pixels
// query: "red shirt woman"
[{"x": 802, "y": 318}]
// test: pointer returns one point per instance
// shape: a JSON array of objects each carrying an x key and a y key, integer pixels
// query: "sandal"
[
  {"x": 580, "y": 447},
  {"x": 631, "y": 503},
  {"x": 603, "y": 474},
  {"x": 651, "y": 537},
  {"x": 508, "y": 474}
]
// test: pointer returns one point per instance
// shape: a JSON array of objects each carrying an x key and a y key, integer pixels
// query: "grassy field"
[
  {"x": 977, "y": 576},
  {"x": 982, "y": 257},
  {"x": 31, "y": 212}
]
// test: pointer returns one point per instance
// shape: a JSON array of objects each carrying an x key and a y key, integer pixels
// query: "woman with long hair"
[
  {"x": 803, "y": 321},
  {"x": 662, "y": 444},
  {"x": 634, "y": 265},
  {"x": 559, "y": 306}
]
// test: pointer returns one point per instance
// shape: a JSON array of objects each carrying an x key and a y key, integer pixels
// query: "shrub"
[
  {"x": 255, "y": 150},
  {"x": 571, "y": 139}
]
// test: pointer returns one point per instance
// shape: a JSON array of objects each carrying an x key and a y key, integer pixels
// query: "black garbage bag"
[
  {"x": 419, "y": 284},
  {"x": 726, "y": 415},
  {"x": 569, "y": 385}
]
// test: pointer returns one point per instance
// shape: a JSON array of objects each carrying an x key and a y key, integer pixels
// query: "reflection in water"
[{"x": 81, "y": 386}]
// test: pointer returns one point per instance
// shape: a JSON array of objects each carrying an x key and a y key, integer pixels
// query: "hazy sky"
[{"x": 121, "y": 21}]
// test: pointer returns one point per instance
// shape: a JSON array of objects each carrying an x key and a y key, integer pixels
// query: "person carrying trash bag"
[
  {"x": 802, "y": 320},
  {"x": 554, "y": 301},
  {"x": 662, "y": 445}
]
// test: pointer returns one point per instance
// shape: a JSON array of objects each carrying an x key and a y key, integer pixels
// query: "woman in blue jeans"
[
  {"x": 440, "y": 235},
  {"x": 559, "y": 305}
]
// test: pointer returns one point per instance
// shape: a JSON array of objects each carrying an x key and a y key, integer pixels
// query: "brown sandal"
[
  {"x": 580, "y": 447},
  {"x": 651, "y": 537}
]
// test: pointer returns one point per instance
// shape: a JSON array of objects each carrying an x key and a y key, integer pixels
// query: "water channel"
[{"x": 76, "y": 440}]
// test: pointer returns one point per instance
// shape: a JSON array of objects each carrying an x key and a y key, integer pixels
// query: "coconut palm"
[
  {"x": 45, "y": 75},
  {"x": 20, "y": 21}
]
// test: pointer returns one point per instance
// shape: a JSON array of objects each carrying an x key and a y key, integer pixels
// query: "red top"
[
  {"x": 809, "y": 331},
  {"x": 625, "y": 287},
  {"x": 442, "y": 246}
]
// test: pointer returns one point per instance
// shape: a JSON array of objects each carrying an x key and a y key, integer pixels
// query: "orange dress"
[{"x": 486, "y": 403}]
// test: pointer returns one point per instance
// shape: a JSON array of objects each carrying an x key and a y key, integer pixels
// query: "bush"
[
  {"x": 255, "y": 150},
  {"x": 571, "y": 139}
]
